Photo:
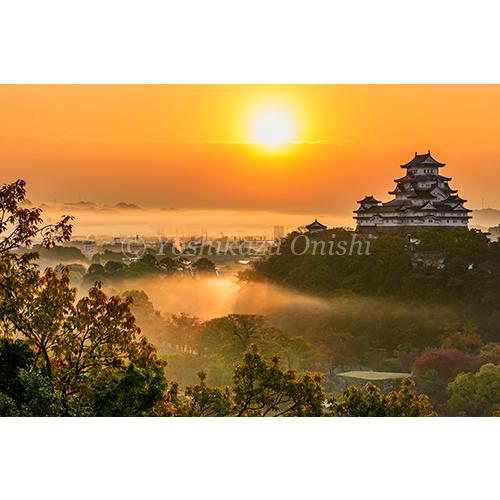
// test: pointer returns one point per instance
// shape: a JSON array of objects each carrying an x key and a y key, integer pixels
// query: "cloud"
[{"x": 243, "y": 140}]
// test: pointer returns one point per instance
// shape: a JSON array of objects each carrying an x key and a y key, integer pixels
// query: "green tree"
[
  {"x": 205, "y": 401},
  {"x": 371, "y": 402},
  {"x": 260, "y": 388},
  {"x": 476, "y": 394},
  {"x": 168, "y": 265},
  {"x": 113, "y": 266},
  {"x": 15, "y": 355},
  {"x": 204, "y": 266},
  {"x": 434, "y": 386},
  {"x": 490, "y": 353},
  {"x": 183, "y": 330},
  {"x": 82, "y": 347},
  {"x": 95, "y": 273},
  {"x": 24, "y": 390},
  {"x": 230, "y": 336},
  {"x": 20, "y": 225}
]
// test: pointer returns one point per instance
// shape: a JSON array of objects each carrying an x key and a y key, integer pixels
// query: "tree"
[
  {"x": 95, "y": 273},
  {"x": 476, "y": 394},
  {"x": 86, "y": 346},
  {"x": 168, "y": 265},
  {"x": 83, "y": 348},
  {"x": 59, "y": 253},
  {"x": 231, "y": 335},
  {"x": 183, "y": 330},
  {"x": 141, "y": 304},
  {"x": 20, "y": 225},
  {"x": 24, "y": 390},
  {"x": 370, "y": 402},
  {"x": 490, "y": 353},
  {"x": 296, "y": 351},
  {"x": 205, "y": 266},
  {"x": 446, "y": 362},
  {"x": 113, "y": 266},
  {"x": 434, "y": 386},
  {"x": 467, "y": 341},
  {"x": 76, "y": 271},
  {"x": 15, "y": 355},
  {"x": 260, "y": 388},
  {"x": 205, "y": 401}
]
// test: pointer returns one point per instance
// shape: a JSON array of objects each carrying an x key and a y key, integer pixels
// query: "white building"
[{"x": 422, "y": 198}]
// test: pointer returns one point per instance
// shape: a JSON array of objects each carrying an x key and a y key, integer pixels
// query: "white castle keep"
[{"x": 422, "y": 198}]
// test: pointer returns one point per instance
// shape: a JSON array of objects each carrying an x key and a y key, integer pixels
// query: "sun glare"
[{"x": 273, "y": 128}]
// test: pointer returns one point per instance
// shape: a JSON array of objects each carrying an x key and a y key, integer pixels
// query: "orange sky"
[{"x": 187, "y": 146}]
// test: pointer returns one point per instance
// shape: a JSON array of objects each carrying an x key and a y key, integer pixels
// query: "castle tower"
[{"x": 422, "y": 198}]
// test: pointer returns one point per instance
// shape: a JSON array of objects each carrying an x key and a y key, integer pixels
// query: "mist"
[
  {"x": 295, "y": 313},
  {"x": 169, "y": 221}
]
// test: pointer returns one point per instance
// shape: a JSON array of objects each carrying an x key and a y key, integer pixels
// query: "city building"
[{"x": 279, "y": 232}]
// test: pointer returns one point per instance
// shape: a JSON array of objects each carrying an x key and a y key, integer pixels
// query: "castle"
[{"x": 422, "y": 198}]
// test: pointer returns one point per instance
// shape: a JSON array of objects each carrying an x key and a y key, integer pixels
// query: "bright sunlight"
[{"x": 273, "y": 128}]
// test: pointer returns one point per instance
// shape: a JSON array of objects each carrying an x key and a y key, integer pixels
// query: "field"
[{"x": 367, "y": 375}]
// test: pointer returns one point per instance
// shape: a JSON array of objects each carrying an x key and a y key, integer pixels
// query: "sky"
[{"x": 210, "y": 147}]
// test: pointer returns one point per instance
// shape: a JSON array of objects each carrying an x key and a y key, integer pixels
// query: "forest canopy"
[{"x": 427, "y": 306}]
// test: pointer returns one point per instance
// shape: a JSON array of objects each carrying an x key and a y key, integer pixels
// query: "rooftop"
[
  {"x": 423, "y": 160},
  {"x": 315, "y": 225},
  {"x": 368, "y": 199},
  {"x": 394, "y": 206},
  {"x": 422, "y": 178}
]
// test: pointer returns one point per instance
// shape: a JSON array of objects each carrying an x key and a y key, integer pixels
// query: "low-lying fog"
[
  {"x": 169, "y": 222},
  {"x": 212, "y": 297},
  {"x": 295, "y": 313}
]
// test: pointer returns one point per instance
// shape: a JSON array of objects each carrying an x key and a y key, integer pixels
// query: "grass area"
[{"x": 366, "y": 375}]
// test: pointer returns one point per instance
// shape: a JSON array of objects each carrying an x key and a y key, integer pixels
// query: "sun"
[{"x": 273, "y": 128}]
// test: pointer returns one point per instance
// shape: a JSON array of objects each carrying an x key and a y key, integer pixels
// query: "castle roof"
[
  {"x": 413, "y": 188},
  {"x": 454, "y": 200},
  {"x": 369, "y": 199},
  {"x": 423, "y": 195},
  {"x": 447, "y": 205},
  {"x": 315, "y": 225},
  {"x": 422, "y": 178},
  {"x": 423, "y": 160}
]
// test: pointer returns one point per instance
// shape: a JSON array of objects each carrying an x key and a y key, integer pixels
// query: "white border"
[
  {"x": 258, "y": 41},
  {"x": 294, "y": 458}
]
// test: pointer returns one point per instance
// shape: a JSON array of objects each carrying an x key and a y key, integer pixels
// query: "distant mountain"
[
  {"x": 486, "y": 217},
  {"x": 127, "y": 206},
  {"x": 81, "y": 205}
]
